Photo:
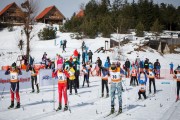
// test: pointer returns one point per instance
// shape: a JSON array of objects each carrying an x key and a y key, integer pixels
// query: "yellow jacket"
[{"x": 71, "y": 73}]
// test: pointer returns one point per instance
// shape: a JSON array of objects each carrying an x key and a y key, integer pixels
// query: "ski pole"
[
  {"x": 53, "y": 94},
  {"x": 2, "y": 93}
]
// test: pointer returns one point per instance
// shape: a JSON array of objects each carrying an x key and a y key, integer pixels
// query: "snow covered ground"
[{"x": 88, "y": 104}]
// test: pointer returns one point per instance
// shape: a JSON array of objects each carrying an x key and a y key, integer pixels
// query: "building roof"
[
  {"x": 80, "y": 13},
  {"x": 6, "y": 8},
  {"x": 45, "y": 11}
]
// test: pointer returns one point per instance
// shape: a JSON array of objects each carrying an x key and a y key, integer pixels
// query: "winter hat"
[
  {"x": 13, "y": 65},
  {"x": 59, "y": 66},
  {"x": 113, "y": 66},
  {"x": 178, "y": 68}
]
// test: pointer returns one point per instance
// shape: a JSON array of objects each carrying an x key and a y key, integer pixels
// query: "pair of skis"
[{"x": 114, "y": 114}]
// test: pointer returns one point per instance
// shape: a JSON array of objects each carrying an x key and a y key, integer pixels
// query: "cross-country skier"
[
  {"x": 62, "y": 86},
  {"x": 151, "y": 77},
  {"x": 142, "y": 84},
  {"x": 105, "y": 75},
  {"x": 14, "y": 89},
  {"x": 76, "y": 65},
  {"x": 116, "y": 84},
  {"x": 177, "y": 78},
  {"x": 72, "y": 79}
]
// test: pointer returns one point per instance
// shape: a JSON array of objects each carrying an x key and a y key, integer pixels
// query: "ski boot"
[
  {"x": 112, "y": 109},
  {"x": 32, "y": 91},
  {"x": 12, "y": 105},
  {"x": 177, "y": 98},
  {"x": 59, "y": 108},
  {"x": 107, "y": 95},
  {"x": 120, "y": 110},
  {"x": 65, "y": 108},
  {"x": 70, "y": 93},
  {"x": 18, "y": 105},
  {"x": 102, "y": 95},
  {"x": 76, "y": 93}
]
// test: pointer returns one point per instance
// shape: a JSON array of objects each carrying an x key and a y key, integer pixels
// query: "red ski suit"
[{"x": 62, "y": 85}]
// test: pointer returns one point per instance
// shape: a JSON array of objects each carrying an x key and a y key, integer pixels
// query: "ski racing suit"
[{"x": 116, "y": 84}]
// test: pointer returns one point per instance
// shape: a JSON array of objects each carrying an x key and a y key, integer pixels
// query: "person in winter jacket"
[
  {"x": 107, "y": 63},
  {"x": 133, "y": 77},
  {"x": 66, "y": 67},
  {"x": 76, "y": 65},
  {"x": 157, "y": 66},
  {"x": 157, "y": 71},
  {"x": 151, "y": 77},
  {"x": 141, "y": 65},
  {"x": 83, "y": 57},
  {"x": 105, "y": 75},
  {"x": 90, "y": 54},
  {"x": 146, "y": 65},
  {"x": 142, "y": 85},
  {"x": 65, "y": 43},
  {"x": 171, "y": 67},
  {"x": 177, "y": 78},
  {"x": 44, "y": 58},
  {"x": 59, "y": 60},
  {"x": 75, "y": 53},
  {"x": 99, "y": 63},
  {"x": 62, "y": 86},
  {"x": 33, "y": 79},
  {"x": 72, "y": 79},
  {"x": 85, "y": 73},
  {"x": 127, "y": 66},
  {"x": 137, "y": 63},
  {"x": 14, "y": 89}
]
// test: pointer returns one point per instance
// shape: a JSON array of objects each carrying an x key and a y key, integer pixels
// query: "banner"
[
  {"x": 24, "y": 80},
  {"x": 45, "y": 77}
]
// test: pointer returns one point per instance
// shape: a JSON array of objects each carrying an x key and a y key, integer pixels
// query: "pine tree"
[
  {"x": 140, "y": 29},
  {"x": 156, "y": 28}
]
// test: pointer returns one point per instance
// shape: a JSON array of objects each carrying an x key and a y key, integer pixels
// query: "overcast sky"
[{"x": 68, "y": 7}]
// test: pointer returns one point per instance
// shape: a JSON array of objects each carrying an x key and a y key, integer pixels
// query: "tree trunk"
[
  {"x": 170, "y": 26},
  {"x": 28, "y": 47}
]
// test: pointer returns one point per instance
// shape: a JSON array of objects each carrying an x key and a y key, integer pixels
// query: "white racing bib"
[
  {"x": 151, "y": 74},
  {"x": 61, "y": 77},
  {"x": 115, "y": 75},
  {"x": 14, "y": 76},
  {"x": 178, "y": 76}
]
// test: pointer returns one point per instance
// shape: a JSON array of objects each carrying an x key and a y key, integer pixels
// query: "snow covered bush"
[{"x": 47, "y": 33}]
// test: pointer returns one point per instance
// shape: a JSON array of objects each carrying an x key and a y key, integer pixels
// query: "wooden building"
[
  {"x": 50, "y": 15},
  {"x": 80, "y": 14},
  {"x": 11, "y": 14}
]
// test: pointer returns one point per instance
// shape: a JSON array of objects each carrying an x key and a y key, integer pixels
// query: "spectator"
[
  {"x": 75, "y": 53},
  {"x": 90, "y": 54},
  {"x": 127, "y": 66}
]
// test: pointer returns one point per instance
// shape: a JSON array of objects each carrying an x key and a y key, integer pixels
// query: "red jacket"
[{"x": 76, "y": 53}]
